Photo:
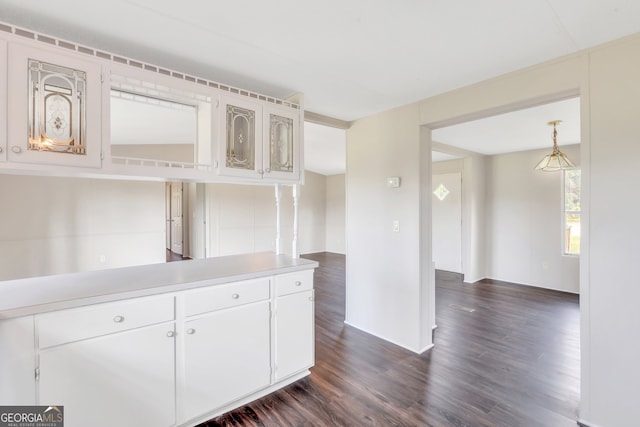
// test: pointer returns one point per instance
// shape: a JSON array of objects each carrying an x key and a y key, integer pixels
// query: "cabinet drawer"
[
  {"x": 227, "y": 295},
  {"x": 75, "y": 324},
  {"x": 294, "y": 282}
]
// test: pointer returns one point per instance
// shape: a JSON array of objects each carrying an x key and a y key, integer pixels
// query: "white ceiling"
[
  {"x": 349, "y": 58},
  {"x": 515, "y": 131}
]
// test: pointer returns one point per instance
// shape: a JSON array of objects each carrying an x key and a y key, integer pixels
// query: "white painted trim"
[
  {"x": 278, "y": 189},
  {"x": 295, "y": 253},
  {"x": 387, "y": 339}
]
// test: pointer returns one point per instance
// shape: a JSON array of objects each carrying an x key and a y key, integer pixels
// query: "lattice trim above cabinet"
[{"x": 31, "y": 35}]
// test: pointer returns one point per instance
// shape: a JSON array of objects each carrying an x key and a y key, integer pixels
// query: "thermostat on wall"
[{"x": 393, "y": 182}]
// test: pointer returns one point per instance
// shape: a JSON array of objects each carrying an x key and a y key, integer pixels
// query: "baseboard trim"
[
  {"x": 413, "y": 350},
  {"x": 583, "y": 423},
  {"x": 241, "y": 402}
]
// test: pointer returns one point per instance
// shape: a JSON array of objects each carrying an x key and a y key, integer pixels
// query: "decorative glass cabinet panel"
[
  {"x": 241, "y": 138},
  {"x": 280, "y": 143},
  {"x": 240, "y": 146},
  {"x": 55, "y": 115},
  {"x": 56, "y": 108}
]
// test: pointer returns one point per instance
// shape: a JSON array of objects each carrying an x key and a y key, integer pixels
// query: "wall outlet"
[
  {"x": 396, "y": 226},
  {"x": 103, "y": 258},
  {"x": 545, "y": 265}
]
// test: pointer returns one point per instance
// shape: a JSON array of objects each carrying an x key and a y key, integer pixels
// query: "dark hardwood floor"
[{"x": 504, "y": 355}]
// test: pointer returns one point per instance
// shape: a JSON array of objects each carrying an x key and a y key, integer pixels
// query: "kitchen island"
[{"x": 159, "y": 345}]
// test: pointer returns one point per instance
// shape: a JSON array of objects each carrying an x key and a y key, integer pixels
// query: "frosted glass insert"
[
  {"x": 281, "y": 143},
  {"x": 56, "y": 108},
  {"x": 441, "y": 192},
  {"x": 240, "y": 138}
]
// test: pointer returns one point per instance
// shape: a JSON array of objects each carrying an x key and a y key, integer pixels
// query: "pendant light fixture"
[{"x": 557, "y": 160}]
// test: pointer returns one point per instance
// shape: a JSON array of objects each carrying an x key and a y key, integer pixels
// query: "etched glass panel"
[
  {"x": 240, "y": 138},
  {"x": 281, "y": 143},
  {"x": 56, "y": 108}
]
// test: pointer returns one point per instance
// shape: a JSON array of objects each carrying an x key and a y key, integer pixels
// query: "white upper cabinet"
[
  {"x": 240, "y": 137},
  {"x": 258, "y": 140},
  {"x": 54, "y": 117},
  {"x": 3, "y": 101},
  {"x": 281, "y": 143},
  {"x": 75, "y": 111}
]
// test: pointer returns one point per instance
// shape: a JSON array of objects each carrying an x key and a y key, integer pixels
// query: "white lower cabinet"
[
  {"x": 226, "y": 357},
  {"x": 123, "y": 379},
  {"x": 294, "y": 333},
  {"x": 294, "y": 323},
  {"x": 167, "y": 360}
]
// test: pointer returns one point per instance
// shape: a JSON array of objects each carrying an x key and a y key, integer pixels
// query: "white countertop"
[{"x": 41, "y": 294}]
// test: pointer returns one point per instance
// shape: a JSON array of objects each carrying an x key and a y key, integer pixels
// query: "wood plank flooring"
[{"x": 504, "y": 355}]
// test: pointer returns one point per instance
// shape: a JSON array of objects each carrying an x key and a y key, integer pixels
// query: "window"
[{"x": 571, "y": 212}]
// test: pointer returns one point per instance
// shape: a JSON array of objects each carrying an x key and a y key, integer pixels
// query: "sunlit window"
[{"x": 571, "y": 212}]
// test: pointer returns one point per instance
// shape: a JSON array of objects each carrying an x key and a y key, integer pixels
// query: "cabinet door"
[
  {"x": 227, "y": 357},
  {"x": 55, "y": 108},
  {"x": 281, "y": 158},
  {"x": 240, "y": 151},
  {"x": 122, "y": 379},
  {"x": 294, "y": 333}
]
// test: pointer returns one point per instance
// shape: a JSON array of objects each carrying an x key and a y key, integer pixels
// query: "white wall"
[
  {"x": 243, "y": 217},
  {"x": 335, "y": 213},
  {"x": 383, "y": 292},
  {"x": 53, "y": 225},
  {"x": 447, "y": 222},
  {"x": 524, "y": 222},
  {"x": 608, "y": 82}
]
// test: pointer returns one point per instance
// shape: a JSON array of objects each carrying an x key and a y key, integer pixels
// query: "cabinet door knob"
[
  {"x": 298, "y": 283},
  {"x": 118, "y": 319},
  {"x": 0, "y": 149},
  {"x": 191, "y": 331},
  {"x": 16, "y": 149},
  {"x": 171, "y": 334},
  {"x": 267, "y": 170},
  {"x": 235, "y": 296}
]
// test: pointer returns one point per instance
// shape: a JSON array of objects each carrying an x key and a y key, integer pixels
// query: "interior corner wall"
[
  {"x": 524, "y": 222},
  {"x": 383, "y": 278},
  {"x": 242, "y": 218},
  {"x": 313, "y": 214},
  {"x": 54, "y": 225},
  {"x": 335, "y": 213},
  {"x": 474, "y": 256}
]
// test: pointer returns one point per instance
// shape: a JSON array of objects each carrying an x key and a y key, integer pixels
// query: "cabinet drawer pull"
[
  {"x": 191, "y": 331},
  {"x": 171, "y": 334},
  {"x": 16, "y": 149},
  {"x": 235, "y": 296},
  {"x": 298, "y": 283},
  {"x": 118, "y": 319}
]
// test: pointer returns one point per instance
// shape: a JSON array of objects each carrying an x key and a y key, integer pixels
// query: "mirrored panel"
[{"x": 56, "y": 108}]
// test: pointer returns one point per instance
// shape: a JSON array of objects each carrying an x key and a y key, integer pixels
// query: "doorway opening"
[{"x": 175, "y": 223}]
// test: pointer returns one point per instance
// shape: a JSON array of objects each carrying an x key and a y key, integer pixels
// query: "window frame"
[{"x": 566, "y": 212}]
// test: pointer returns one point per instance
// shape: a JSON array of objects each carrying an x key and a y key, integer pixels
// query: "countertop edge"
[{"x": 23, "y": 297}]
